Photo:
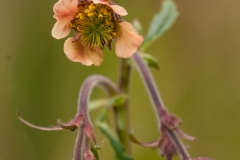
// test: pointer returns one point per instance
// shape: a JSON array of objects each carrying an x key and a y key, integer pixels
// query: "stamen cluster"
[{"x": 95, "y": 24}]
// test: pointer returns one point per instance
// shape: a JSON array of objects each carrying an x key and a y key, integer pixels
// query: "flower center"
[{"x": 95, "y": 24}]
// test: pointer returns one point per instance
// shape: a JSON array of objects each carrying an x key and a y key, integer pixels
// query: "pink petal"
[
  {"x": 100, "y": 1},
  {"x": 65, "y": 11},
  {"x": 65, "y": 8},
  {"x": 60, "y": 29},
  {"x": 116, "y": 8},
  {"x": 85, "y": 55},
  {"x": 128, "y": 40}
]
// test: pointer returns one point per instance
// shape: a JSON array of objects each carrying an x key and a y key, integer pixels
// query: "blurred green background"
[{"x": 199, "y": 80}]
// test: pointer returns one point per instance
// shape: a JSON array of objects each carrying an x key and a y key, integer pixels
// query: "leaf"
[
  {"x": 161, "y": 22},
  {"x": 150, "y": 60},
  {"x": 109, "y": 133},
  {"x": 118, "y": 100},
  {"x": 97, "y": 103}
]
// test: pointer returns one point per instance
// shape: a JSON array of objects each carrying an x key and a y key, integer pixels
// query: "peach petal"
[
  {"x": 119, "y": 10},
  {"x": 85, "y": 55},
  {"x": 60, "y": 29},
  {"x": 100, "y": 1},
  {"x": 128, "y": 40},
  {"x": 65, "y": 11},
  {"x": 116, "y": 8}
]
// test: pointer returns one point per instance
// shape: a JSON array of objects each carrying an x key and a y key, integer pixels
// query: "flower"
[{"x": 95, "y": 23}]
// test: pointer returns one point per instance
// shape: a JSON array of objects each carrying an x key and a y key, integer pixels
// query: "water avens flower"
[{"x": 95, "y": 23}]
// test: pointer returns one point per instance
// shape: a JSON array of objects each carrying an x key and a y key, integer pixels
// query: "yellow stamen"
[
  {"x": 90, "y": 14},
  {"x": 95, "y": 24},
  {"x": 91, "y": 7},
  {"x": 100, "y": 16}
]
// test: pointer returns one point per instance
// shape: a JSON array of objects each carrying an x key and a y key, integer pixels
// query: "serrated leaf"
[
  {"x": 161, "y": 22},
  {"x": 150, "y": 60}
]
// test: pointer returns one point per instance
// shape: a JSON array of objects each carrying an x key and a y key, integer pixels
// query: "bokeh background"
[{"x": 199, "y": 80}]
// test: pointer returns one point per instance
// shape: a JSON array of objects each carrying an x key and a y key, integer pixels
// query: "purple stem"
[
  {"x": 86, "y": 130},
  {"x": 158, "y": 103},
  {"x": 79, "y": 144}
]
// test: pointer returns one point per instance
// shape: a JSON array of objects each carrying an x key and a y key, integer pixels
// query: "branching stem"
[
  {"x": 158, "y": 104},
  {"x": 84, "y": 96}
]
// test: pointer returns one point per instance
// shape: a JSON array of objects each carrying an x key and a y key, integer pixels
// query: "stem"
[
  {"x": 158, "y": 104},
  {"x": 79, "y": 144},
  {"x": 122, "y": 113},
  {"x": 149, "y": 84},
  {"x": 178, "y": 143},
  {"x": 87, "y": 87},
  {"x": 85, "y": 122}
]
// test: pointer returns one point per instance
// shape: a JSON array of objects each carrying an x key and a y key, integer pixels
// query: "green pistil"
[{"x": 95, "y": 23}]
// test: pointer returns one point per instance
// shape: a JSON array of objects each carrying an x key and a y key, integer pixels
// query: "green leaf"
[
  {"x": 118, "y": 100},
  {"x": 161, "y": 22},
  {"x": 97, "y": 103},
  {"x": 150, "y": 60},
  {"x": 108, "y": 131}
]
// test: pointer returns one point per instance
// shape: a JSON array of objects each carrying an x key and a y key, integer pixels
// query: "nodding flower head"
[{"x": 95, "y": 23}]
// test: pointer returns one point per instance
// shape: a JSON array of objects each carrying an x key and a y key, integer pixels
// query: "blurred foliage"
[
  {"x": 198, "y": 79},
  {"x": 108, "y": 131}
]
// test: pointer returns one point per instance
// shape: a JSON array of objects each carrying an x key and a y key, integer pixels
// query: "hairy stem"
[
  {"x": 158, "y": 104},
  {"x": 85, "y": 123},
  {"x": 86, "y": 90},
  {"x": 177, "y": 143},
  {"x": 79, "y": 144}
]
